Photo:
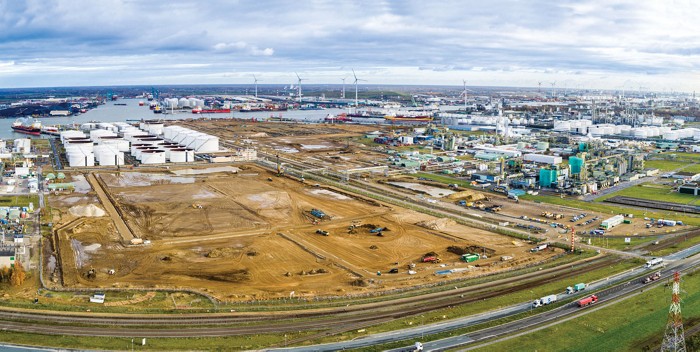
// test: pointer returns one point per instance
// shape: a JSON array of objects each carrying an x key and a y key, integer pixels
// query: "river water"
[{"x": 132, "y": 111}]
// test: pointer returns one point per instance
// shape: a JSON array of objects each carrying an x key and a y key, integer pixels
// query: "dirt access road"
[{"x": 119, "y": 223}]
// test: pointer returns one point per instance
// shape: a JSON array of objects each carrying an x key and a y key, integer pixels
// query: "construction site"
[
  {"x": 247, "y": 232},
  {"x": 237, "y": 235}
]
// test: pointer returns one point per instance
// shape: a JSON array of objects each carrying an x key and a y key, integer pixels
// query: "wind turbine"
[
  {"x": 343, "y": 79},
  {"x": 356, "y": 79},
  {"x": 298, "y": 86},
  {"x": 256, "y": 86},
  {"x": 553, "y": 84},
  {"x": 539, "y": 87}
]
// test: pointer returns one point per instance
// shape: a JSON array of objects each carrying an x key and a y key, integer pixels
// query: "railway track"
[{"x": 318, "y": 320}]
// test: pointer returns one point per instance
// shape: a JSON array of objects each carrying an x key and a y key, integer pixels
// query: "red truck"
[
  {"x": 653, "y": 277},
  {"x": 588, "y": 300}
]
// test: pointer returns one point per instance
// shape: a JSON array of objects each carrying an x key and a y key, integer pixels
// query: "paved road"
[
  {"x": 121, "y": 226},
  {"x": 417, "y": 333}
]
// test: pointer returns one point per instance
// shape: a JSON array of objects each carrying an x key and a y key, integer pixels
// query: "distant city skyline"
[{"x": 621, "y": 45}]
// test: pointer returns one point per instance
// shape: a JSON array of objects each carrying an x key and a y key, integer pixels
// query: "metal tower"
[{"x": 674, "y": 338}]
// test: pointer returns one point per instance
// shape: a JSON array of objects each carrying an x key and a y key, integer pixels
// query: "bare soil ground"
[{"x": 240, "y": 236}]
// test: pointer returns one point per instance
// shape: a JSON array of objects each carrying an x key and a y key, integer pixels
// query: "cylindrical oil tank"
[
  {"x": 152, "y": 157},
  {"x": 182, "y": 155}
]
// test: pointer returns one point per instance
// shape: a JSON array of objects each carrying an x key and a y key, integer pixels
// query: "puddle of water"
[
  {"x": 210, "y": 170},
  {"x": 433, "y": 191},
  {"x": 315, "y": 146},
  {"x": 205, "y": 194},
  {"x": 332, "y": 194},
  {"x": 51, "y": 265},
  {"x": 81, "y": 184},
  {"x": 81, "y": 257},
  {"x": 287, "y": 150},
  {"x": 138, "y": 179}
]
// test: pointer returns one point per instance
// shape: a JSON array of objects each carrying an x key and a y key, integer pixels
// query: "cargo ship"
[
  {"x": 368, "y": 114},
  {"x": 210, "y": 111},
  {"x": 338, "y": 118},
  {"x": 408, "y": 118},
  {"x": 21, "y": 127}
]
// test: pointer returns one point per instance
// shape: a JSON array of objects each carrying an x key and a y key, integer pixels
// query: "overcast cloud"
[{"x": 589, "y": 44}]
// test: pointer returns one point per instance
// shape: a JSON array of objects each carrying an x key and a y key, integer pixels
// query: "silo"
[
  {"x": 84, "y": 146},
  {"x": 152, "y": 157},
  {"x": 155, "y": 129},
  {"x": 181, "y": 155}
]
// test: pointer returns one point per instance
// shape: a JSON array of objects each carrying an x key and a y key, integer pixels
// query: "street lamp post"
[{"x": 422, "y": 321}]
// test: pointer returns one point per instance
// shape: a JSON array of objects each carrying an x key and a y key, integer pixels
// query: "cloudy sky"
[{"x": 578, "y": 44}]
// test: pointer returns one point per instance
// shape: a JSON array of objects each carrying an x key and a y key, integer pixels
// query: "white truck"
[
  {"x": 544, "y": 301},
  {"x": 654, "y": 262},
  {"x": 417, "y": 347}
]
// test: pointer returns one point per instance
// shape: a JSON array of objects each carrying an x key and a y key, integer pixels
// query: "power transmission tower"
[{"x": 674, "y": 338}]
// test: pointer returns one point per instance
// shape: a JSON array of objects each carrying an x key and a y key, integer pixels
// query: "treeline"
[{"x": 15, "y": 275}]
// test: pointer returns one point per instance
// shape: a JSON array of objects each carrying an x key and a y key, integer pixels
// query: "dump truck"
[
  {"x": 544, "y": 301},
  {"x": 322, "y": 232},
  {"x": 575, "y": 288},
  {"x": 587, "y": 301},
  {"x": 653, "y": 277},
  {"x": 431, "y": 259},
  {"x": 317, "y": 213}
]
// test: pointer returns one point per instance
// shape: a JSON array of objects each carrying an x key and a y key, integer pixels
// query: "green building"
[
  {"x": 547, "y": 177},
  {"x": 576, "y": 164}
]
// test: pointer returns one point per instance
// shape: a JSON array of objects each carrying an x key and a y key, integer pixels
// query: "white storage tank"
[
  {"x": 155, "y": 129},
  {"x": 108, "y": 156},
  {"x": 84, "y": 146},
  {"x": 137, "y": 145},
  {"x": 152, "y": 157},
  {"x": 181, "y": 155},
  {"x": 80, "y": 159},
  {"x": 183, "y": 102},
  {"x": 139, "y": 151},
  {"x": 71, "y": 134},
  {"x": 206, "y": 144},
  {"x": 96, "y": 134}
]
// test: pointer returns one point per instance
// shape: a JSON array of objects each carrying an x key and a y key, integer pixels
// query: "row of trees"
[{"x": 15, "y": 275}]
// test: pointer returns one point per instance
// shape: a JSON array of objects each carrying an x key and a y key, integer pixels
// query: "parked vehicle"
[
  {"x": 587, "y": 301},
  {"x": 322, "y": 232},
  {"x": 544, "y": 301},
  {"x": 540, "y": 247},
  {"x": 417, "y": 347},
  {"x": 575, "y": 288}
]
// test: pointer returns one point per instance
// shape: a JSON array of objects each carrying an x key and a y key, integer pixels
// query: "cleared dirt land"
[{"x": 240, "y": 236}]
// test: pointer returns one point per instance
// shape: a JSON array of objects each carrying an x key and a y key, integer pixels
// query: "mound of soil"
[{"x": 90, "y": 210}]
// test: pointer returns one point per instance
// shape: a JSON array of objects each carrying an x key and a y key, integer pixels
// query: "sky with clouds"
[{"x": 577, "y": 44}]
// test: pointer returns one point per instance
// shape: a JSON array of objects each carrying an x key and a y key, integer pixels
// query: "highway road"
[{"x": 612, "y": 288}]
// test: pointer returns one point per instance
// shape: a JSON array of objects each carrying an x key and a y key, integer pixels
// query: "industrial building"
[{"x": 612, "y": 222}]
